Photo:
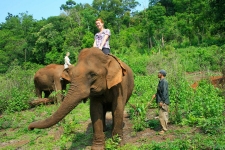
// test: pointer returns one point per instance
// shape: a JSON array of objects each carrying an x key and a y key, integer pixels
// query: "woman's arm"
[
  {"x": 94, "y": 44},
  {"x": 103, "y": 41}
]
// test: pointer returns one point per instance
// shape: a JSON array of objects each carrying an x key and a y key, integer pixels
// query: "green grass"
[
  {"x": 14, "y": 127},
  {"x": 76, "y": 135}
]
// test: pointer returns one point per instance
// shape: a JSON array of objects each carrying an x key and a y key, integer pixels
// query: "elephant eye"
[{"x": 92, "y": 74}]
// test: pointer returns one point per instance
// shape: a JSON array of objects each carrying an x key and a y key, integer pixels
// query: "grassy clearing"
[
  {"x": 76, "y": 133},
  {"x": 14, "y": 132}
]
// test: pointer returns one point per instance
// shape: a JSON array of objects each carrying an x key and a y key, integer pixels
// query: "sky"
[{"x": 41, "y": 8}]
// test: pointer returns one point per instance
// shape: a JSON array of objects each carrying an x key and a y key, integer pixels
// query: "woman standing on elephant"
[
  {"x": 67, "y": 60},
  {"x": 102, "y": 37}
]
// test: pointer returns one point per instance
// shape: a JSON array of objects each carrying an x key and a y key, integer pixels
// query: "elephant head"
[
  {"x": 66, "y": 74},
  {"x": 104, "y": 79}
]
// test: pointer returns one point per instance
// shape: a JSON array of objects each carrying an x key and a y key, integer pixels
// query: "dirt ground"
[
  {"x": 138, "y": 138},
  {"x": 142, "y": 137},
  {"x": 148, "y": 135}
]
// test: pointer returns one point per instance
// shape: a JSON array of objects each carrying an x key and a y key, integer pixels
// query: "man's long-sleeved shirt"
[{"x": 162, "y": 94}]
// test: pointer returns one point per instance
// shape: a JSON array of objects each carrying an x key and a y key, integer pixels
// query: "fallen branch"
[{"x": 41, "y": 101}]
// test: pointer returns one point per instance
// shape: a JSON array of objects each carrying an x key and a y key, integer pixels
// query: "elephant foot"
[
  {"x": 95, "y": 147},
  {"x": 118, "y": 138},
  {"x": 98, "y": 142}
]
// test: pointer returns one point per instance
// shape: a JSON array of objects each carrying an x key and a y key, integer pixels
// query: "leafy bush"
[
  {"x": 112, "y": 144},
  {"x": 142, "y": 94},
  {"x": 17, "y": 89},
  {"x": 206, "y": 109},
  {"x": 212, "y": 125},
  {"x": 153, "y": 124},
  {"x": 138, "y": 117},
  {"x": 18, "y": 100},
  {"x": 202, "y": 58},
  {"x": 136, "y": 61},
  {"x": 180, "y": 96}
]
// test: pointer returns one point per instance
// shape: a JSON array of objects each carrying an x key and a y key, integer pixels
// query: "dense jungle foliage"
[
  {"x": 178, "y": 36},
  {"x": 163, "y": 25}
]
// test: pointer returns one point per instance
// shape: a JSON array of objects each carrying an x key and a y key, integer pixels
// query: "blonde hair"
[
  {"x": 67, "y": 53},
  {"x": 99, "y": 19}
]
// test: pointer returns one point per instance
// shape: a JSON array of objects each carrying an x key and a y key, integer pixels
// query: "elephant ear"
[
  {"x": 115, "y": 72},
  {"x": 65, "y": 74}
]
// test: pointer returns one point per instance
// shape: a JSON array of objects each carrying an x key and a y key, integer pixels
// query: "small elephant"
[
  {"x": 51, "y": 78},
  {"x": 107, "y": 82}
]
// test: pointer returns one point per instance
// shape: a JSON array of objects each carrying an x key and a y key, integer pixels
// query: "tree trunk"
[
  {"x": 162, "y": 41},
  {"x": 150, "y": 40}
]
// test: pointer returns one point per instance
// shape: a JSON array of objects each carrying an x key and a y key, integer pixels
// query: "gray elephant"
[
  {"x": 107, "y": 81},
  {"x": 51, "y": 78}
]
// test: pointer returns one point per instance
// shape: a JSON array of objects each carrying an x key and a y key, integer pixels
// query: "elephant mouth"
[
  {"x": 94, "y": 92},
  {"x": 85, "y": 100}
]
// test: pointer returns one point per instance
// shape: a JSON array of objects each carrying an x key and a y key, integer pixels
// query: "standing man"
[{"x": 162, "y": 99}]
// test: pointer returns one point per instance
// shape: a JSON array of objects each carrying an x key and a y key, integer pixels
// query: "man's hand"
[
  {"x": 160, "y": 104},
  {"x": 153, "y": 96}
]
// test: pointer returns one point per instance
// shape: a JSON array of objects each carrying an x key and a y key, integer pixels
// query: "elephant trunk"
[{"x": 72, "y": 99}]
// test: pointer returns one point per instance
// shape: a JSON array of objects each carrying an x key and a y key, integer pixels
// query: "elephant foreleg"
[{"x": 96, "y": 112}]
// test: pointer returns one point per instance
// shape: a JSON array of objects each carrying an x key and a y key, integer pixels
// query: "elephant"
[
  {"x": 47, "y": 80},
  {"x": 107, "y": 82}
]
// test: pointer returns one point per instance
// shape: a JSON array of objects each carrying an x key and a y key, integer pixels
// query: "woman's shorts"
[{"x": 106, "y": 51}]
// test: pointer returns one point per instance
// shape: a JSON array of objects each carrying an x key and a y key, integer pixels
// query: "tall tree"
[
  {"x": 168, "y": 4},
  {"x": 217, "y": 14},
  {"x": 192, "y": 19},
  {"x": 69, "y": 5},
  {"x": 14, "y": 32},
  {"x": 113, "y": 10},
  {"x": 49, "y": 40},
  {"x": 152, "y": 20}
]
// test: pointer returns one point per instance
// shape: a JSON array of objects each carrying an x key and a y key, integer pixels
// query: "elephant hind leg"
[
  {"x": 104, "y": 121},
  {"x": 38, "y": 92},
  {"x": 47, "y": 93}
]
